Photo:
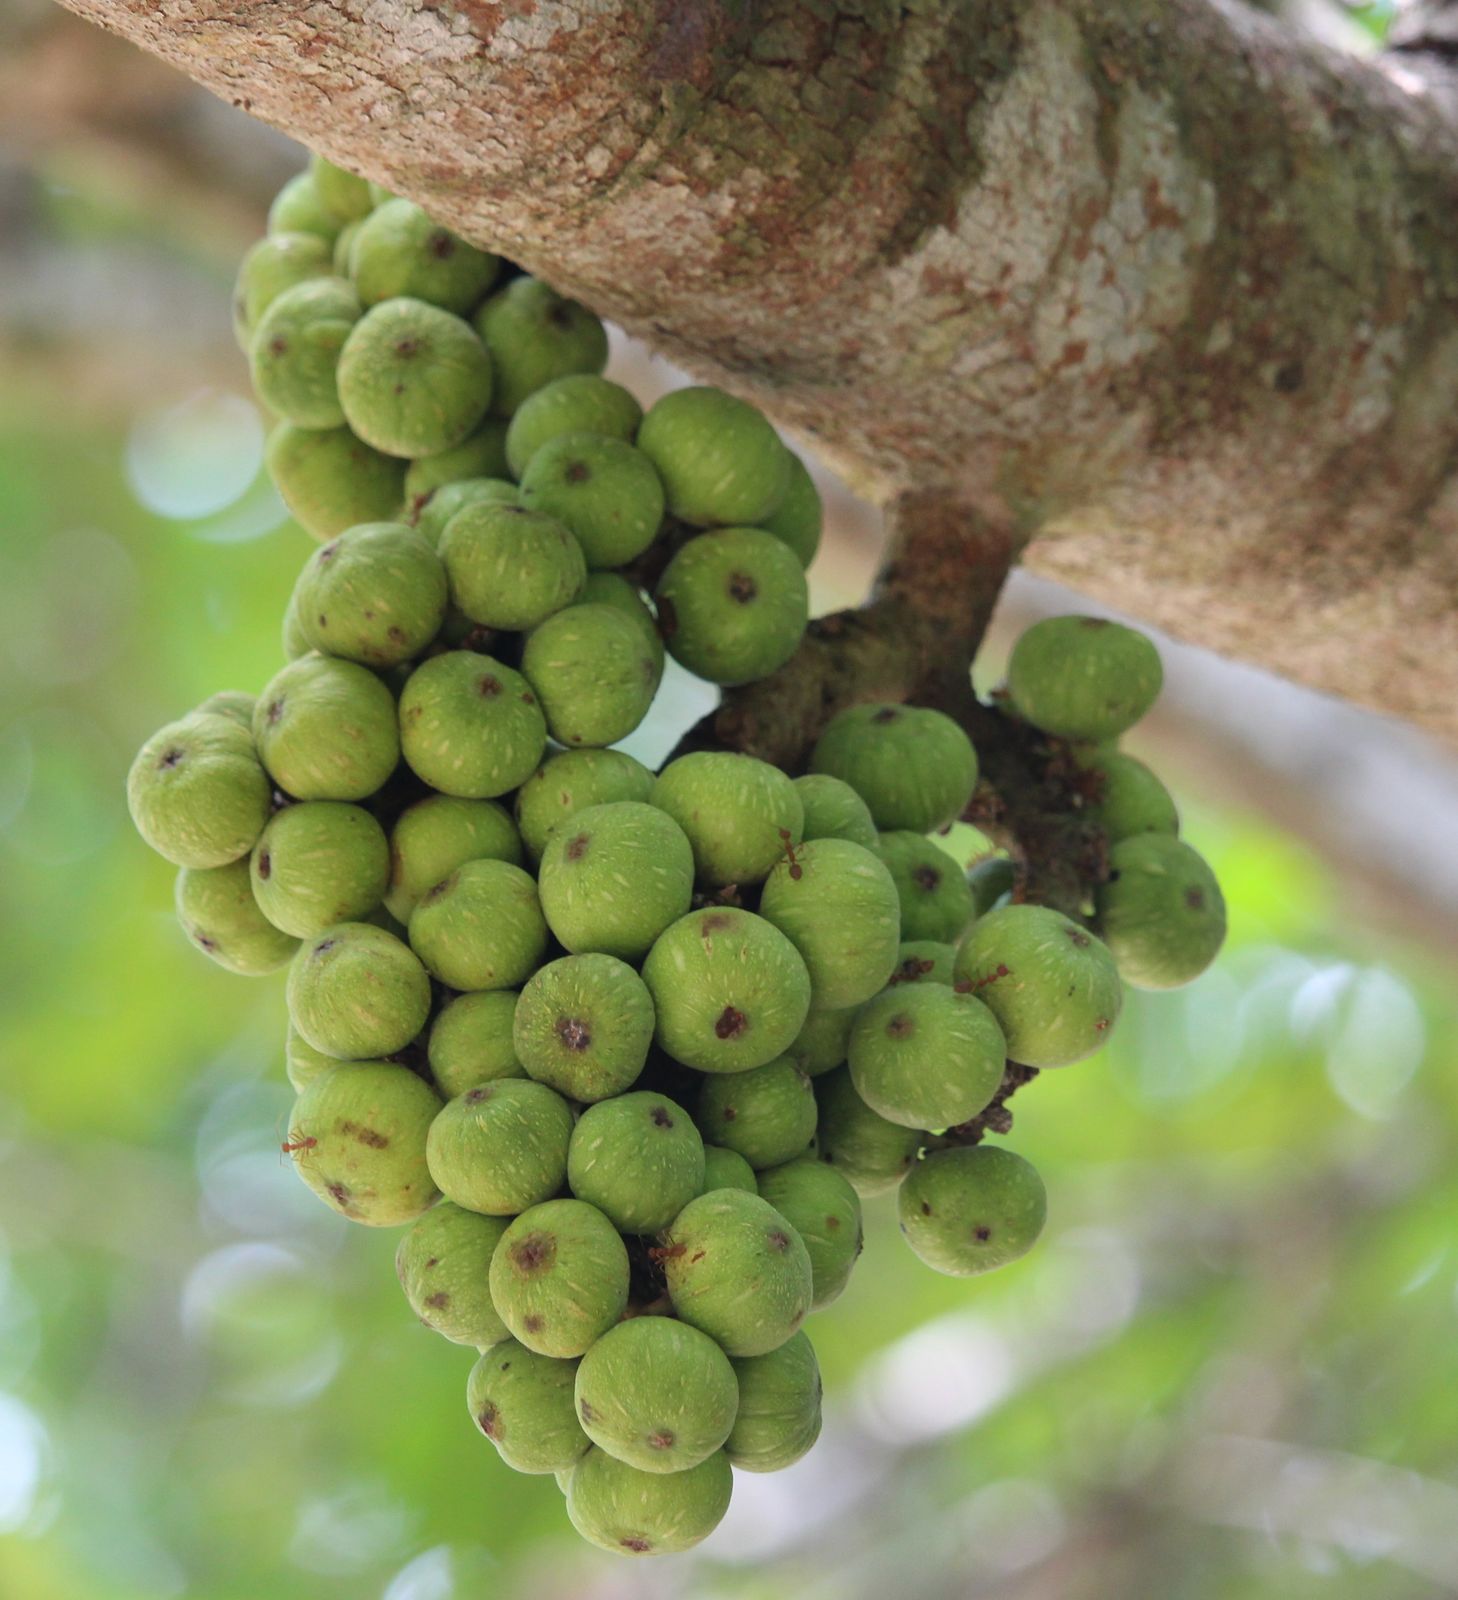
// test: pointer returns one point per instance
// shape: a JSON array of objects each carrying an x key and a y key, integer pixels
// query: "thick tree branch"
[{"x": 1160, "y": 282}]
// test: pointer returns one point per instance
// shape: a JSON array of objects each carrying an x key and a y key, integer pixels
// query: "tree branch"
[{"x": 1161, "y": 281}]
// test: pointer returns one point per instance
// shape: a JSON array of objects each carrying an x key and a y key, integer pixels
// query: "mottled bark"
[{"x": 1157, "y": 285}]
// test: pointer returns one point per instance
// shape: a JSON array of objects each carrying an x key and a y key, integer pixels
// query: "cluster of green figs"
[{"x": 623, "y": 1050}]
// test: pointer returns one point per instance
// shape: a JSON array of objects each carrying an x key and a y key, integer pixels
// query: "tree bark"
[{"x": 1157, "y": 289}]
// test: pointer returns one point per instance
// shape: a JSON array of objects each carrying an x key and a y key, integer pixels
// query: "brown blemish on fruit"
[
  {"x": 172, "y": 757},
  {"x": 636, "y": 1543},
  {"x": 982, "y": 1233},
  {"x": 577, "y": 472},
  {"x": 275, "y": 710},
  {"x": 577, "y": 848},
  {"x": 573, "y": 1034},
  {"x": 442, "y": 246},
  {"x": 438, "y": 1301},
  {"x": 1077, "y": 938},
  {"x": 777, "y": 1240},
  {"x": 832, "y": 1223},
  {"x": 532, "y": 1323},
  {"x": 886, "y": 714},
  {"x": 474, "y": 1097},
  {"x": 716, "y": 922},
  {"x": 365, "y": 1136},
  {"x": 531, "y": 1254},
  {"x": 487, "y": 686},
  {"x": 325, "y": 945},
  {"x": 1195, "y": 899},
  {"x": 731, "y": 1023},
  {"x": 408, "y": 347},
  {"x": 205, "y": 943},
  {"x": 900, "y": 1026},
  {"x": 265, "y": 865},
  {"x": 339, "y": 1194},
  {"x": 742, "y": 588},
  {"x": 487, "y": 1420},
  {"x": 730, "y": 1113},
  {"x": 585, "y": 1411},
  {"x": 660, "y": 1118},
  {"x": 925, "y": 1209},
  {"x": 926, "y": 878},
  {"x": 662, "y": 1440}
]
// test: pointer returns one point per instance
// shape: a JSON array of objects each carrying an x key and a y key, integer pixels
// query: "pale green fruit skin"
[
  {"x": 302, "y": 1062},
  {"x": 656, "y": 1394},
  {"x": 799, "y": 517},
  {"x": 344, "y": 247},
  {"x": 319, "y": 863},
  {"x": 727, "y": 1169},
  {"x": 197, "y": 793},
  {"x": 500, "y": 1147},
  {"x": 295, "y": 347},
  {"x": 1131, "y": 800},
  {"x": 833, "y": 810},
  {"x": 1053, "y": 987},
  {"x": 481, "y": 927},
  {"x": 603, "y": 489},
  {"x": 343, "y": 195},
  {"x": 612, "y": 589},
  {"x": 481, "y": 454},
  {"x": 924, "y": 961},
  {"x": 442, "y": 1265},
  {"x": 470, "y": 726},
  {"x": 614, "y": 880},
  {"x": 436, "y": 835},
  {"x": 968, "y": 1211},
  {"x": 357, "y": 992},
  {"x": 736, "y": 811},
  {"x": 367, "y": 1121},
  {"x": 296, "y": 208},
  {"x": 822, "y": 1042},
  {"x": 470, "y": 1042},
  {"x": 914, "y": 767},
  {"x": 766, "y": 1114},
  {"x": 594, "y": 673},
  {"x": 413, "y": 380},
  {"x": 734, "y": 605},
  {"x": 638, "y": 1158},
  {"x": 272, "y": 265},
  {"x": 874, "y": 1155},
  {"x": 731, "y": 992},
  {"x": 375, "y": 595},
  {"x": 738, "y": 1272},
  {"x": 934, "y": 899},
  {"x": 634, "y": 1513},
  {"x": 721, "y": 462},
  {"x": 326, "y": 730},
  {"x": 570, "y": 782},
  {"x": 583, "y": 1026},
  {"x": 824, "y": 1209},
  {"x": 443, "y": 504},
  {"x": 536, "y": 336},
  {"x": 779, "y": 1407},
  {"x": 578, "y": 403},
  {"x": 559, "y": 1277},
  {"x": 232, "y": 703},
  {"x": 219, "y": 915},
  {"x": 523, "y": 1402},
  {"x": 330, "y": 480},
  {"x": 1083, "y": 677},
  {"x": 509, "y": 567},
  {"x": 1161, "y": 913},
  {"x": 924, "y": 1056},
  {"x": 400, "y": 251},
  {"x": 837, "y": 904}
]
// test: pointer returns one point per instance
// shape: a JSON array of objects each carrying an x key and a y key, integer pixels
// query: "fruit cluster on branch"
[{"x": 627, "y": 1050}]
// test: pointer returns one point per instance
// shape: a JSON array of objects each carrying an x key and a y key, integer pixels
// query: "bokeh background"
[{"x": 1230, "y": 1370}]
